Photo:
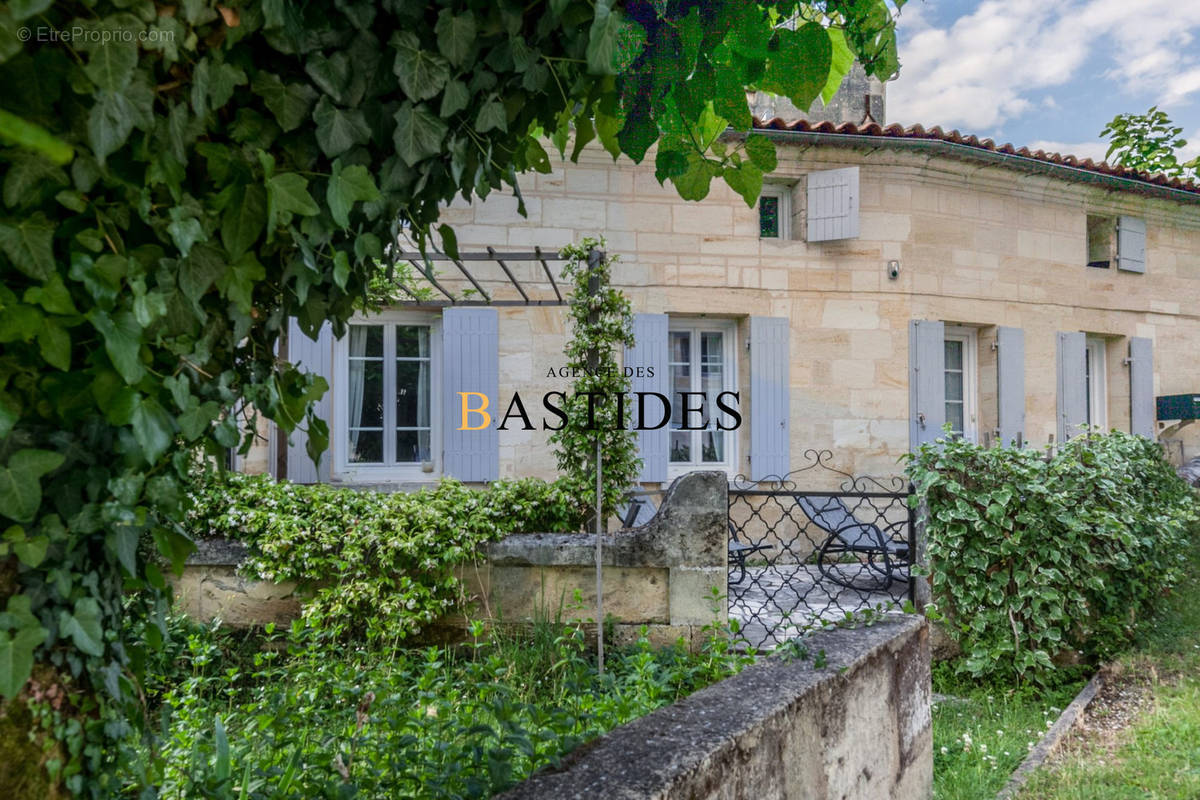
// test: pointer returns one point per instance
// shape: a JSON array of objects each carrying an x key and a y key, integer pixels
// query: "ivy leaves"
[{"x": 20, "y": 482}]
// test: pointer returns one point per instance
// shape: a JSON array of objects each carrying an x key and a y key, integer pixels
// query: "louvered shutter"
[
  {"x": 471, "y": 363},
  {"x": 926, "y": 381},
  {"x": 770, "y": 407},
  {"x": 315, "y": 356},
  {"x": 1131, "y": 244},
  {"x": 1072, "y": 384},
  {"x": 1010, "y": 382},
  {"x": 649, "y": 352},
  {"x": 833, "y": 204},
  {"x": 1141, "y": 387}
]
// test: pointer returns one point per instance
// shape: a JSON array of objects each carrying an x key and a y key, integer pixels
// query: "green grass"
[
  {"x": 981, "y": 737},
  {"x": 1158, "y": 757}
]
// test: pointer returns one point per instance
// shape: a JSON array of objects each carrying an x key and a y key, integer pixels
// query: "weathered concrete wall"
[
  {"x": 856, "y": 729},
  {"x": 660, "y": 575}
]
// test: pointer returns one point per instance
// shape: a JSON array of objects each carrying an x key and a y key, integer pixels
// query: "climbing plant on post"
[{"x": 601, "y": 324}]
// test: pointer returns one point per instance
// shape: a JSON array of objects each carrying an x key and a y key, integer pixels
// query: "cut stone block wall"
[{"x": 858, "y": 728}]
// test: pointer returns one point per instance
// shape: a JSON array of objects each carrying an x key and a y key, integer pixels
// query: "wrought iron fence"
[{"x": 814, "y": 546}]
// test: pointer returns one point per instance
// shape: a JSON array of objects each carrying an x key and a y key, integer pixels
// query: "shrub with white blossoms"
[{"x": 372, "y": 562}]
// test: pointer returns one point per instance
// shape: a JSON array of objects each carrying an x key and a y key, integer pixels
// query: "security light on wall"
[{"x": 893, "y": 269}]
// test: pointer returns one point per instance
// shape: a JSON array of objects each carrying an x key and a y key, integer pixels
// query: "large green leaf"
[
  {"x": 422, "y": 74},
  {"x": 761, "y": 152},
  {"x": 419, "y": 133},
  {"x": 123, "y": 542},
  {"x": 602, "y": 39},
  {"x": 289, "y": 103},
  {"x": 110, "y": 122},
  {"x": 491, "y": 116},
  {"x": 123, "y": 342},
  {"x": 799, "y": 69},
  {"x": 83, "y": 627},
  {"x": 842, "y": 59},
  {"x": 111, "y": 66},
  {"x": 20, "y": 482},
  {"x": 16, "y": 658},
  {"x": 347, "y": 186},
  {"x": 287, "y": 193},
  {"x": 244, "y": 218},
  {"x": 28, "y": 175},
  {"x": 338, "y": 129},
  {"x": 456, "y": 36},
  {"x": 153, "y": 428},
  {"x": 746, "y": 179},
  {"x": 28, "y": 245},
  {"x": 455, "y": 98},
  {"x": 54, "y": 343}
]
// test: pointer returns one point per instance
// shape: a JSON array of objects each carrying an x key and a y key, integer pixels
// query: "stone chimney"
[{"x": 860, "y": 100}]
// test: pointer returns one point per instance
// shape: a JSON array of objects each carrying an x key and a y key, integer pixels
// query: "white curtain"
[
  {"x": 423, "y": 392},
  {"x": 358, "y": 347}
]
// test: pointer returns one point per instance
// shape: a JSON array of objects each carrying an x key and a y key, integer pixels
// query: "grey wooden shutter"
[
  {"x": 315, "y": 356},
  {"x": 1072, "y": 384},
  {"x": 833, "y": 204},
  {"x": 770, "y": 409},
  {"x": 1141, "y": 387},
  {"x": 470, "y": 363},
  {"x": 649, "y": 352},
  {"x": 926, "y": 381},
  {"x": 1010, "y": 383},
  {"x": 1131, "y": 244}
]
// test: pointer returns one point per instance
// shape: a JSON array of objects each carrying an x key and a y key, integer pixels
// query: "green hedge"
[
  {"x": 376, "y": 563},
  {"x": 1032, "y": 556}
]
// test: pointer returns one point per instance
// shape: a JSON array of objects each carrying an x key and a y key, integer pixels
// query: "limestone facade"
[{"x": 978, "y": 244}]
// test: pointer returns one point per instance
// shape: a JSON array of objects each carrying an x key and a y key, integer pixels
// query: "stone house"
[{"x": 889, "y": 281}]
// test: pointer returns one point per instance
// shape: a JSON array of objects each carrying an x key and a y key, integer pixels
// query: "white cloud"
[
  {"x": 1092, "y": 150},
  {"x": 998, "y": 61}
]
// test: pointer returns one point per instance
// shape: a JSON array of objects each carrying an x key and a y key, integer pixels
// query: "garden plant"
[{"x": 180, "y": 180}]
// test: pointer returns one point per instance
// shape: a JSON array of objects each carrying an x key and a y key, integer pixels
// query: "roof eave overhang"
[{"x": 979, "y": 155}]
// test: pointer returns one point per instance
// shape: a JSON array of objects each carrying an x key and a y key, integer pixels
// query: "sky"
[{"x": 1047, "y": 74}]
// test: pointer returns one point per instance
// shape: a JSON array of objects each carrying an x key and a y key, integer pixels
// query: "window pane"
[
  {"x": 954, "y": 415},
  {"x": 681, "y": 350},
  {"x": 412, "y": 341},
  {"x": 954, "y": 385},
  {"x": 712, "y": 371},
  {"x": 681, "y": 447},
  {"x": 366, "y": 341},
  {"x": 954, "y": 354},
  {"x": 412, "y": 447},
  {"x": 712, "y": 447},
  {"x": 366, "y": 447},
  {"x": 366, "y": 394},
  {"x": 412, "y": 394},
  {"x": 768, "y": 217}
]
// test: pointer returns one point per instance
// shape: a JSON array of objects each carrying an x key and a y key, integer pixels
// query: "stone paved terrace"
[{"x": 774, "y": 603}]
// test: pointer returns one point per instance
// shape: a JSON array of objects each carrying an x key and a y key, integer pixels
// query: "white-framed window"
[
  {"x": 386, "y": 414},
  {"x": 775, "y": 212},
  {"x": 962, "y": 381},
  {"x": 702, "y": 363},
  {"x": 1095, "y": 376}
]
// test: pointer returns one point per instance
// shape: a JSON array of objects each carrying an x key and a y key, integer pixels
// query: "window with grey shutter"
[
  {"x": 926, "y": 381},
  {"x": 770, "y": 407},
  {"x": 1072, "y": 384},
  {"x": 1131, "y": 244},
  {"x": 649, "y": 353},
  {"x": 832, "y": 204},
  {"x": 1141, "y": 387},
  {"x": 1010, "y": 384},
  {"x": 470, "y": 363},
  {"x": 314, "y": 356}
]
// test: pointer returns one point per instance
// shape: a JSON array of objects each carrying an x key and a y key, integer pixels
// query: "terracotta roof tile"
[{"x": 919, "y": 132}]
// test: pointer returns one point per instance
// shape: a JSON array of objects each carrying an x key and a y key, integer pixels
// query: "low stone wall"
[
  {"x": 660, "y": 575},
  {"x": 858, "y": 728}
]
